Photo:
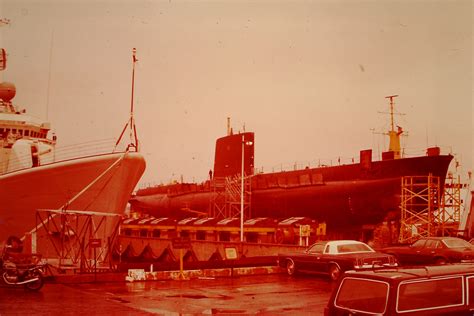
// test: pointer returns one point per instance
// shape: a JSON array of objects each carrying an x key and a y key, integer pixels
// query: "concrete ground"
[{"x": 273, "y": 294}]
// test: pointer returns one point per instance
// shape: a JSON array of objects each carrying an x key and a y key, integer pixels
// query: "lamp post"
[{"x": 242, "y": 194}]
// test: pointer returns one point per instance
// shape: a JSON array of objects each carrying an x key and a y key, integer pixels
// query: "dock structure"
[{"x": 212, "y": 242}]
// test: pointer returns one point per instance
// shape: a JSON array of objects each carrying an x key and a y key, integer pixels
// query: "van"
[{"x": 426, "y": 290}]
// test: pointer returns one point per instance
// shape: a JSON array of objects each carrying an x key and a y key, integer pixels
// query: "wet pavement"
[{"x": 250, "y": 295}]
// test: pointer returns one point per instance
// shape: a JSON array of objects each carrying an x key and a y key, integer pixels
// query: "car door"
[
  {"x": 411, "y": 254},
  {"x": 313, "y": 257},
  {"x": 429, "y": 251}
]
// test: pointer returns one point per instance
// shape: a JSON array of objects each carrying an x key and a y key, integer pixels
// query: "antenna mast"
[
  {"x": 394, "y": 136},
  {"x": 391, "y": 110},
  {"x": 131, "y": 121}
]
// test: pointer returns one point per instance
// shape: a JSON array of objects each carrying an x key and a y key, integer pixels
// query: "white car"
[{"x": 334, "y": 257}]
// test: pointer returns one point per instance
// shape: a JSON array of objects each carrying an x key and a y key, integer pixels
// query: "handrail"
[
  {"x": 70, "y": 152},
  {"x": 340, "y": 160}
]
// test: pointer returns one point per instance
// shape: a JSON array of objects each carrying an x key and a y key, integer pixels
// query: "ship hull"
[
  {"x": 341, "y": 196},
  {"x": 100, "y": 183}
]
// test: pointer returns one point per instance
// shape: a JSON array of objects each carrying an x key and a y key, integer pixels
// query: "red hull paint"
[
  {"x": 51, "y": 186},
  {"x": 341, "y": 196}
]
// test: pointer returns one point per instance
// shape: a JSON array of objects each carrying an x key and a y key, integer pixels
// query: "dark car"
[
  {"x": 427, "y": 290},
  {"x": 433, "y": 250},
  {"x": 334, "y": 257}
]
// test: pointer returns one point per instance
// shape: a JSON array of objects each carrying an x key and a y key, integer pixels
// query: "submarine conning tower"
[{"x": 228, "y": 158}]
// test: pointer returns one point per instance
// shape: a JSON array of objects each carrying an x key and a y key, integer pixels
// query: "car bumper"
[{"x": 373, "y": 266}]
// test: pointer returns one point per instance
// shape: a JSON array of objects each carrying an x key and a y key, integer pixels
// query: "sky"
[{"x": 308, "y": 77}]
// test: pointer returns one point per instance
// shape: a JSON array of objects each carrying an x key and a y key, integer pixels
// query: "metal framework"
[
  {"x": 80, "y": 237},
  {"x": 218, "y": 205},
  {"x": 450, "y": 212},
  {"x": 226, "y": 202},
  {"x": 233, "y": 196},
  {"x": 420, "y": 204}
]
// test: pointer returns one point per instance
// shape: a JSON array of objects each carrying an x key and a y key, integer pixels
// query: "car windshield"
[
  {"x": 316, "y": 248},
  {"x": 362, "y": 295},
  {"x": 457, "y": 243},
  {"x": 353, "y": 248}
]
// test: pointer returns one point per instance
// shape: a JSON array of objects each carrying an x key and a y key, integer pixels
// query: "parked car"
[
  {"x": 433, "y": 250},
  {"x": 427, "y": 290},
  {"x": 334, "y": 257}
]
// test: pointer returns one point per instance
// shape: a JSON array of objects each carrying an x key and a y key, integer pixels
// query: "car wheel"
[
  {"x": 290, "y": 267},
  {"x": 334, "y": 272},
  {"x": 440, "y": 261}
]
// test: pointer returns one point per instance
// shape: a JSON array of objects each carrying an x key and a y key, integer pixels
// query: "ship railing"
[
  {"x": 339, "y": 161},
  {"x": 69, "y": 152},
  {"x": 298, "y": 165},
  {"x": 86, "y": 149},
  {"x": 416, "y": 152}
]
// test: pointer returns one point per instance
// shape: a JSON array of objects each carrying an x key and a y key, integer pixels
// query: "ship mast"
[
  {"x": 394, "y": 135},
  {"x": 131, "y": 121}
]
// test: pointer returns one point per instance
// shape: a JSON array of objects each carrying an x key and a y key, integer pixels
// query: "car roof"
[
  {"x": 440, "y": 238},
  {"x": 343, "y": 242},
  {"x": 416, "y": 272}
]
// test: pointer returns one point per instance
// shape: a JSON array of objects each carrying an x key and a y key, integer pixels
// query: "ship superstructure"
[{"x": 23, "y": 138}]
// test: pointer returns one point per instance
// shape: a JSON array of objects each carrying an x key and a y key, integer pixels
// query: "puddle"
[
  {"x": 217, "y": 311},
  {"x": 118, "y": 299},
  {"x": 200, "y": 296},
  {"x": 195, "y": 296}
]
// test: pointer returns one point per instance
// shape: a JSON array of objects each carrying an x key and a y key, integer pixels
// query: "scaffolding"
[
  {"x": 218, "y": 205},
  {"x": 451, "y": 209},
  {"x": 226, "y": 202},
  {"x": 420, "y": 207}
]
